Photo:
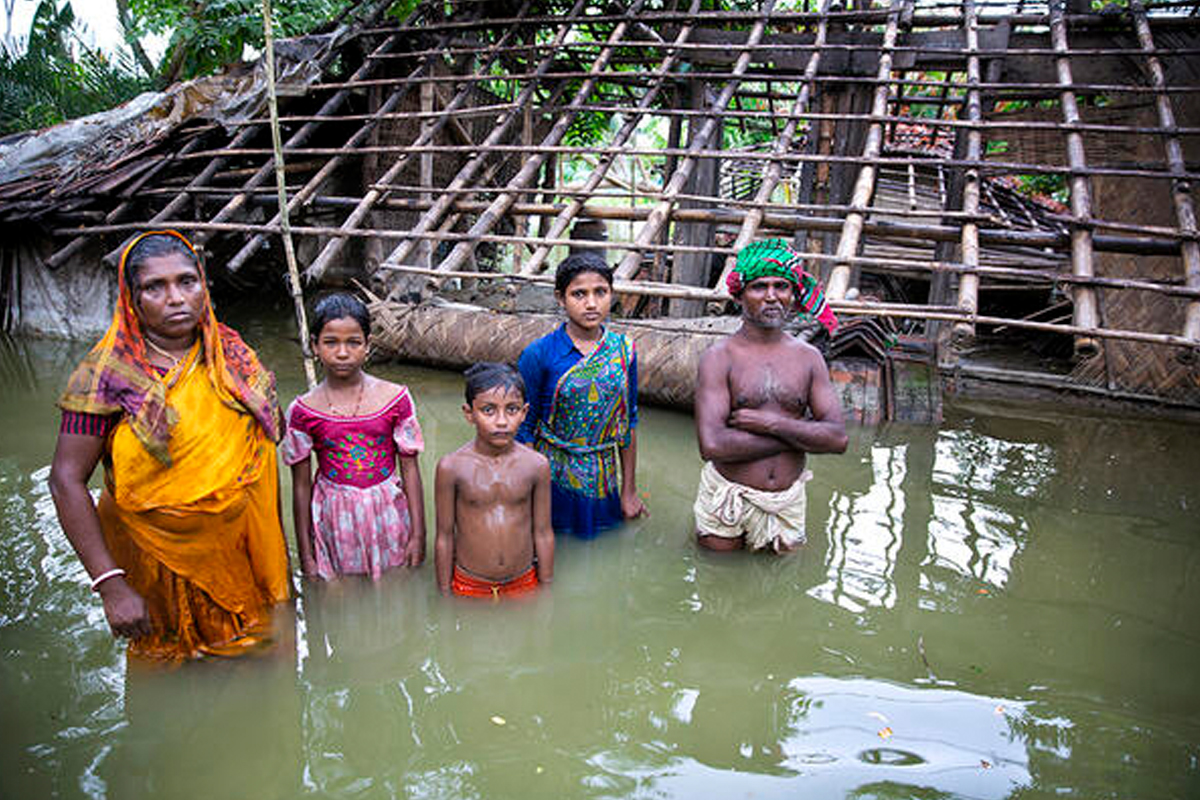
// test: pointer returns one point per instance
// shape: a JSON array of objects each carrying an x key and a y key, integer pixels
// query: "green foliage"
[
  {"x": 1052, "y": 186},
  {"x": 206, "y": 36},
  {"x": 58, "y": 77},
  {"x": 589, "y": 128}
]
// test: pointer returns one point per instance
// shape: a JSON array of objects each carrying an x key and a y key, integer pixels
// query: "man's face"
[{"x": 767, "y": 301}]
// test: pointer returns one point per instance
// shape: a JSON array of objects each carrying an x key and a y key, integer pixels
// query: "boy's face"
[{"x": 497, "y": 413}]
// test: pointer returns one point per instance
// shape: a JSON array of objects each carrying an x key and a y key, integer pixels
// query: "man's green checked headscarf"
[{"x": 775, "y": 258}]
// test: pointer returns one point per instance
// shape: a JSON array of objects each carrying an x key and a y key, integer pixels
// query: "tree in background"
[
  {"x": 206, "y": 35},
  {"x": 58, "y": 76}
]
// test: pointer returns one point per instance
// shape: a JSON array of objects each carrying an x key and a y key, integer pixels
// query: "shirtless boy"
[
  {"x": 493, "y": 497},
  {"x": 763, "y": 402}
]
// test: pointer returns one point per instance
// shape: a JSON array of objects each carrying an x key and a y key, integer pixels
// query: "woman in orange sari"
[{"x": 185, "y": 546}]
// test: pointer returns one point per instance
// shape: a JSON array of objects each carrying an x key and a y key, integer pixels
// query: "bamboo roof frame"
[{"x": 545, "y": 62}]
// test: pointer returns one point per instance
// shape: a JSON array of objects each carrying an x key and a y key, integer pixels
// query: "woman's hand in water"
[
  {"x": 632, "y": 506},
  {"x": 124, "y": 608}
]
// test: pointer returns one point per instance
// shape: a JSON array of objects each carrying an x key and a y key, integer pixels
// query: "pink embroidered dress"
[{"x": 360, "y": 513}]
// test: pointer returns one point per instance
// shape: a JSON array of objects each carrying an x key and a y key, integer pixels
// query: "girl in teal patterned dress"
[{"x": 581, "y": 383}]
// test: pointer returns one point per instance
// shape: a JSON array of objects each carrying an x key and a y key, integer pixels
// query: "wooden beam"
[
  {"x": 781, "y": 145},
  {"x": 661, "y": 213},
  {"x": 864, "y": 188},
  {"x": 1086, "y": 310},
  {"x": 528, "y": 172},
  {"x": 431, "y": 218},
  {"x": 1185, "y": 210},
  {"x": 334, "y": 246},
  {"x": 563, "y": 220}
]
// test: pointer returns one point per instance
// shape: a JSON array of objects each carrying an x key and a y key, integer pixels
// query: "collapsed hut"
[{"x": 997, "y": 195}]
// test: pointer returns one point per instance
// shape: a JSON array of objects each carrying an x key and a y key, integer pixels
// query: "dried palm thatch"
[{"x": 460, "y": 335}]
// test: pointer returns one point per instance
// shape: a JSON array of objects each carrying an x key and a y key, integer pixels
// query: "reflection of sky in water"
[
  {"x": 865, "y": 535},
  {"x": 851, "y": 738},
  {"x": 973, "y": 480}
]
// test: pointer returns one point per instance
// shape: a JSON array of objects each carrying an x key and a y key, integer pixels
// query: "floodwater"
[{"x": 1002, "y": 607}]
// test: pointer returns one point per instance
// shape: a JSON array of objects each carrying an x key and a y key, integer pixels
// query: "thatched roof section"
[{"x": 903, "y": 144}]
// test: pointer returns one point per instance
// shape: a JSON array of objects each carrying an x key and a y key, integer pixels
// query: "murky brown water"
[{"x": 1005, "y": 607}]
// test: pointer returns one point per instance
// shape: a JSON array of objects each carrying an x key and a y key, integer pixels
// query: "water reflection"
[
  {"x": 865, "y": 535},
  {"x": 967, "y": 525},
  {"x": 1000, "y": 608}
]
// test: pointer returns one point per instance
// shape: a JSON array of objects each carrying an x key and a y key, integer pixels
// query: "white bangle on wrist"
[{"x": 102, "y": 577}]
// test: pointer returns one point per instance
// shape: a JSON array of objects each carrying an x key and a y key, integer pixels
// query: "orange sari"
[{"x": 199, "y": 535}]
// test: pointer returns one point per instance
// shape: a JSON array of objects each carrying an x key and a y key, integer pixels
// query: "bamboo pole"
[
  {"x": 1155, "y": 241},
  {"x": 487, "y": 147},
  {"x": 985, "y": 166},
  {"x": 325, "y": 172},
  {"x": 864, "y": 186},
  {"x": 800, "y": 18},
  {"x": 1086, "y": 311},
  {"x": 968, "y": 283},
  {"x": 996, "y": 124},
  {"x": 334, "y": 246},
  {"x": 847, "y": 307},
  {"x": 529, "y": 170},
  {"x": 563, "y": 219},
  {"x": 799, "y": 45},
  {"x": 781, "y": 145},
  {"x": 310, "y": 372},
  {"x": 1185, "y": 211},
  {"x": 683, "y": 171},
  {"x": 873, "y": 262},
  {"x": 1029, "y": 90},
  {"x": 241, "y": 138}
]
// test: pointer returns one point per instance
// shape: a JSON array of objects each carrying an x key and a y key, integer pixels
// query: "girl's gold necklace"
[{"x": 357, "y": 402}]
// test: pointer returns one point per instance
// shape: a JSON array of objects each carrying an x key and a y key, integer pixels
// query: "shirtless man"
[
  {"x": 763, "y": 402},
  {"x": 493, "y": 497}
]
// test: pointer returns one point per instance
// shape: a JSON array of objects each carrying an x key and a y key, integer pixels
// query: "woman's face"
[
  {"x": 169, "y": 297},
  {"x": 587, "y": 301}
]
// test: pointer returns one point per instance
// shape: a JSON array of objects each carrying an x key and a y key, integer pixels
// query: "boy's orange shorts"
[{"x": 466, "y": 585}]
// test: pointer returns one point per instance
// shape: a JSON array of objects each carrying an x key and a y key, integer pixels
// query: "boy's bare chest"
[{"x": 490, "y": 485}]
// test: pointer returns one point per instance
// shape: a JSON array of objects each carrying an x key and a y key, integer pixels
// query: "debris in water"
[
  {"x": 499, "y": 721},
  {"x": 886, "y": 733},
  {"x": 985, "y": 763},
  {"x": 924, "y": 660},
  {"x": 982, "y": 591},
  {"x": 878, "y": 716}
]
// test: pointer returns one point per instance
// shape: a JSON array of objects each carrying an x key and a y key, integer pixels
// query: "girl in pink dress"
[{"x": 365, "y": 512}]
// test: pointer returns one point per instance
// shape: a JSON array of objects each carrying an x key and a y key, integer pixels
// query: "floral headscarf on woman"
[{"x": 116, "y": 376}]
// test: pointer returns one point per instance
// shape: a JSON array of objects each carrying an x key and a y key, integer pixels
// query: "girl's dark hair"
[
  {"x": 153, "y": 246},
  {"x": 576, "y": 264},
  {"x": 488, "y": 375},
  {"x": 339, "y": 305}
]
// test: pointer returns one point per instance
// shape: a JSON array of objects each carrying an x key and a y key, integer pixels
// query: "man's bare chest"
[{"x": 774, "y": 383}]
